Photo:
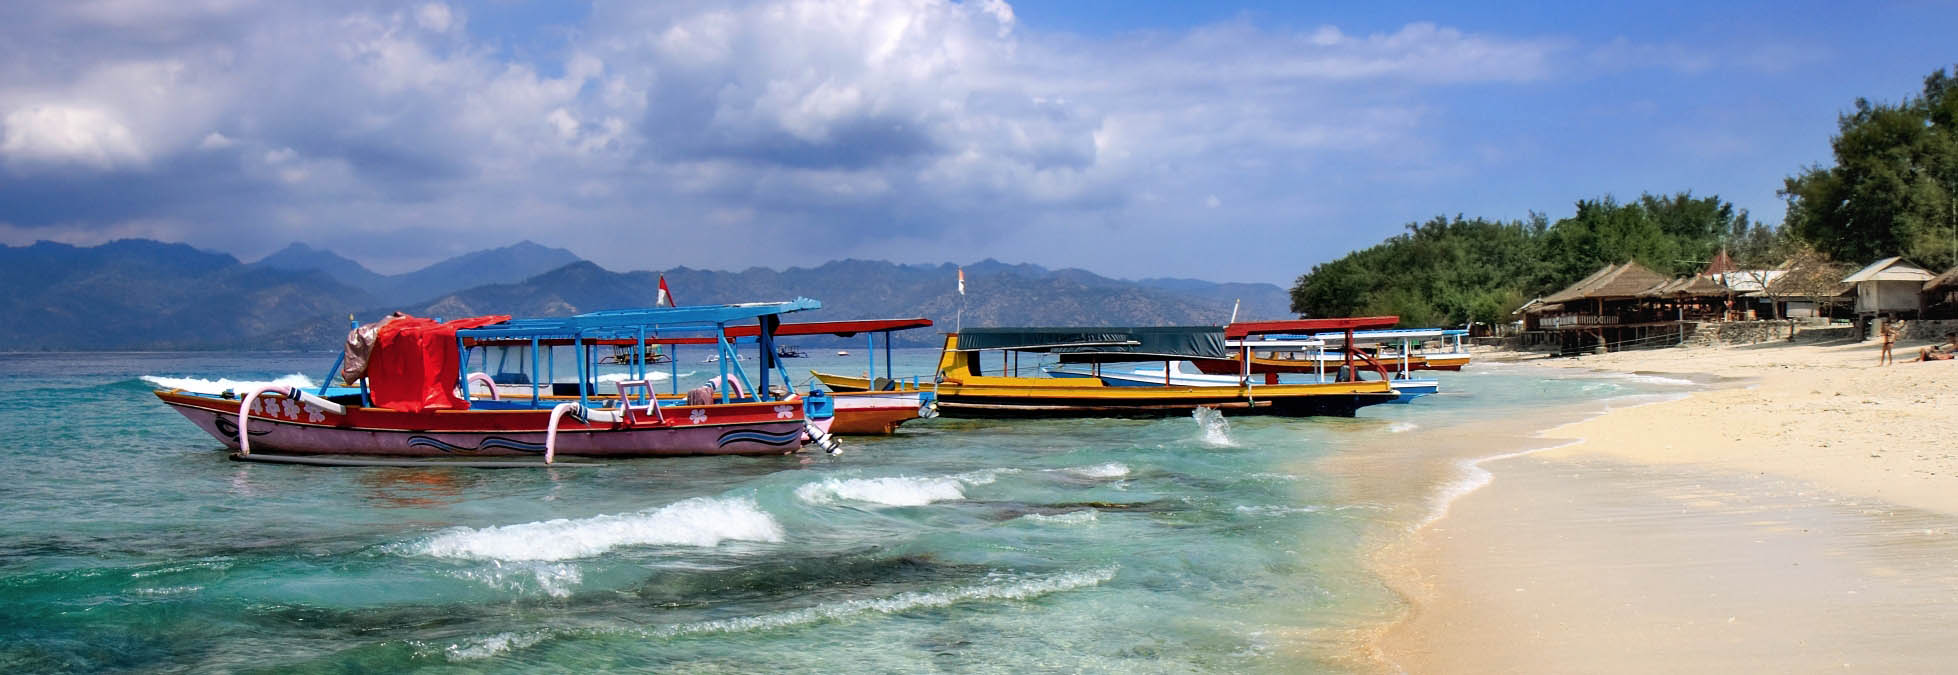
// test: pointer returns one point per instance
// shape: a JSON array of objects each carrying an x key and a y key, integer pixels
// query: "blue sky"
[{"x": 1225, "y": 141}]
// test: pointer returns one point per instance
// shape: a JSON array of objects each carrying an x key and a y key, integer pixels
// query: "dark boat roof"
[
  {"x": 1102, "y": 343},
  {"x": 1246, "y": 328}
]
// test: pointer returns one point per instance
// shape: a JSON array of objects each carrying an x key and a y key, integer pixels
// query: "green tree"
[
  {"x": 1454, "y": 271},
  {"x": 1894, "y": 187}
]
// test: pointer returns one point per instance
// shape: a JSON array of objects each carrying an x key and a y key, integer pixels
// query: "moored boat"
[
  {"x": 1182, "y": 373},
  {"x": 966, "y": 388},
  {"x": 1280, "y": 346},
  {"x": 414, "y": 398},
  {"x": 878, "y": 407}
]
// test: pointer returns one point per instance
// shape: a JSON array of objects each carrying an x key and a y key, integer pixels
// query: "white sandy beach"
[{"x": 1801, "y": 516}]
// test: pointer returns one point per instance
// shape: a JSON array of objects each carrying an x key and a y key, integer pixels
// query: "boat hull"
[
  {"x": 1392, "y": 364},
  {"x": 1087, "y": 397},
  {"x": 875, "y": 413},
  {"x": 283, "y": 426},
  {"x": 1405, "y": 390},
  {"x": 1011, "y": 406}
]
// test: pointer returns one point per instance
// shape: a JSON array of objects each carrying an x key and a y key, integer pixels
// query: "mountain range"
[{"x": 139, "y": 294}]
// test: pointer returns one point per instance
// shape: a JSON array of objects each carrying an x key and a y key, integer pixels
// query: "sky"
[{"x": 1241, "y": 141}]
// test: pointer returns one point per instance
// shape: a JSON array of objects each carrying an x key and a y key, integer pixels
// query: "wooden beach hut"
[
  {"x": 1892, "y": 287},
  {"x": 1941, "y": 295},
  {"x": 1623, "y": 305}
]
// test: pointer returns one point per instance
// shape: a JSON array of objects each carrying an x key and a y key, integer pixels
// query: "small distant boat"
[
  {"x": 716, "y": 358},
  {"x": 787, "y": 352},
  {"x": 842, "y": 352},
  {"x": 625, "y": 355}
]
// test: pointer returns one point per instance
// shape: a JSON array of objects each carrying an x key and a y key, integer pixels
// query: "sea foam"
[
  {"x": 1010, "y": 588},
  {"x": 477, "y": 650},
  {"x": 888, "y": 491},
  {"x": 1108, "y": 470},
  {"x": 1081, "y": 517},
  {"x": 219, "y": 386},
  {"x": 1216, "y": 430},
  {"x": 701, "y": 521}
]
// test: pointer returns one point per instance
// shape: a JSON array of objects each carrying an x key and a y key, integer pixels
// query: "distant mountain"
[
  {"x": 997, "y": 294},
  {"x": 508, "y": 264},
  {"x": 302, "y": 257},
  {"x": 1260, "y": 301},
  {"x": 137, "y": 294}
]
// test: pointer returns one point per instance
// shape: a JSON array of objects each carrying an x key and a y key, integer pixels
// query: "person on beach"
[
  {"x": 1889, "y": 332},
  {"x": 1943, "y": 352}
]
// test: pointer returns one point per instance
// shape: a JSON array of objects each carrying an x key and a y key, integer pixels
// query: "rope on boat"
[{"x": 400, "y": 463}]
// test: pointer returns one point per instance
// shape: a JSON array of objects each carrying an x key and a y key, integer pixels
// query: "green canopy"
[{"x": 1101, "y": 343}]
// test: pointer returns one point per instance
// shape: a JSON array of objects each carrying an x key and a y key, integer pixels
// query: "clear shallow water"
[{"x": 1191, "y": 543}]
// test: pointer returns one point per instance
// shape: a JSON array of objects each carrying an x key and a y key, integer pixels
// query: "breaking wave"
[
  {"x": 890, "y": 491},
  {"x": 701, "y": 521},
  {"x": 1109, "y": 470},
  {"x": 1023, "y": 587},
  {"x": 219, "y": 386},
  {"x": 895, "y": 490},
  {"x": 1081, "y": 517},
  {"x": 651, "y": 376},
  {"x": 1012, "y": 588},
  {"x": 477, "y": 650}
]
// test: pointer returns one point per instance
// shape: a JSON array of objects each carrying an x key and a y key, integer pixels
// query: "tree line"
[{"x": 1893, "y": 190}]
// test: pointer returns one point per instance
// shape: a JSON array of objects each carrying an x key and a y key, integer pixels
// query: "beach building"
[
  {"x": 1941, "y": 295},
  {"x": 1623, "y": 305},
  {"x": 1892, "y": 287}
]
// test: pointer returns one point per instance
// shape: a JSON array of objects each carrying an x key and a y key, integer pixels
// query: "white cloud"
[
  {"x": 846, "y": 124},
  {"x": 435, "y": 16},
  {"x": 67, "y": 134}
]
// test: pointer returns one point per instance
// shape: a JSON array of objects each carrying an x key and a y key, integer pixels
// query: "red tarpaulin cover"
[{"x": 414, "y": 365}]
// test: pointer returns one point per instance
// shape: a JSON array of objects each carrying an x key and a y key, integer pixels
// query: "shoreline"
[{"x": 1611, "y": 542}]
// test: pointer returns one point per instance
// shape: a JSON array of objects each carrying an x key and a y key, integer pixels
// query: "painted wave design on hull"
[
  {"x": 228, "y": 425},
  {"x": 762, "y": 437},
  {"x": 492, "y": 442}
]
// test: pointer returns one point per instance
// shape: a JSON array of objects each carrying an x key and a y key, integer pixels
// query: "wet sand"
[{"x": 1804, "y": 517}]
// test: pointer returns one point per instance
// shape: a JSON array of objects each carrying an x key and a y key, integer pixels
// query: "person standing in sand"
[{"x": 1889, "y": 338}]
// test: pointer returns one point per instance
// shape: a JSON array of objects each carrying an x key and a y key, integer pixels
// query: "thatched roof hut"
[
  {"x": 1943, "y": 282},
  {"x": 1613, "y": 282}
]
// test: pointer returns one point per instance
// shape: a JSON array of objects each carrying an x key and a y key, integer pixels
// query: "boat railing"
[
  {"x": 1577, "y": 320},
  {"x": 652, "y": 400}
]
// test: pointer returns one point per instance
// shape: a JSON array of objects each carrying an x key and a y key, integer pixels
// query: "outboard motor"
[{"x": 819, "y": 406}]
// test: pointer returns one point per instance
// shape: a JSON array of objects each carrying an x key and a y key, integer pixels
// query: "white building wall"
[{"x": 1888, "y": 296}]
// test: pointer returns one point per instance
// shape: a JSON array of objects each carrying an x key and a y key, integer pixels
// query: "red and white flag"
[
  {"x": 961, "y": 281},
  {"x": 665, "y": 296}
]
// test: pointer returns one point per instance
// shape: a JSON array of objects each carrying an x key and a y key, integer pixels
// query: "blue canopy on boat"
[{"x": 635, "y": 323}]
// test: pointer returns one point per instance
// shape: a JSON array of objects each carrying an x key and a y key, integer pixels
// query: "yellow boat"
[{"x": 966, "y": 388}]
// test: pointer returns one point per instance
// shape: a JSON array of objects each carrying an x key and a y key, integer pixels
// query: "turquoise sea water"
[{"x": 130, "y": 543}]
